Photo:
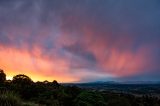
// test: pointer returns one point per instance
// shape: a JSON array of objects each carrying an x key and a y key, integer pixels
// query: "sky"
[{"x": 81, "y": 40}]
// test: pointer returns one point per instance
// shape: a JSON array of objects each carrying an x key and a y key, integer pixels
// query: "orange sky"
[
  {"x": 80, "y": 41},
  {"x": 15, "y": 62}
]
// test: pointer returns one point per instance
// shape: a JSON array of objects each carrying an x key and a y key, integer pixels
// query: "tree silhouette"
[
  {"x": 22, "y": 79},
  {"x": 2, "y": 76},
  {"x": 23, "y": 85},
  {"x": 54, "y": 94},
  {"x": 55, "y": 84}
]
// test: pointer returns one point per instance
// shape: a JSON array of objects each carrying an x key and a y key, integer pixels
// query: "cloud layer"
[{"x": 78, "y": 41}]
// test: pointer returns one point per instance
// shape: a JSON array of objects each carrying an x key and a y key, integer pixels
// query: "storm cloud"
[{"x": 80, "y": 40}]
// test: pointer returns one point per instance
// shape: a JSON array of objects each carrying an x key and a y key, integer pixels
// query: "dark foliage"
[
  {"x": 2, "y": 77},
  {"x": 53, "y": 94}
]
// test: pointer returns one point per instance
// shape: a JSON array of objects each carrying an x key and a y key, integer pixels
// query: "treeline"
[{"x": 22, "y": 91}]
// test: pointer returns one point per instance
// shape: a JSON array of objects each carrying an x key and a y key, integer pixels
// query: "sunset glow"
[{"x": 79, "y": 41}]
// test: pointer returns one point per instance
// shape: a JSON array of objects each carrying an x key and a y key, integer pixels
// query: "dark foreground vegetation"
[{"x": 22, "y": 91}]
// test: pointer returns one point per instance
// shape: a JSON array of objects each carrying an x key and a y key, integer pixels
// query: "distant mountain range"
[{"x": 121, "y": 82}]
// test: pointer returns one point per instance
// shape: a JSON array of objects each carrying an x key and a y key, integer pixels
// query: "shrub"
[
  {"x": 89, "y": 99},
  {"x": 30, "y": 104},
  {"x": 9, "y": 99}
]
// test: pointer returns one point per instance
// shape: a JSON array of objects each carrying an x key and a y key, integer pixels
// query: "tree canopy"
[
  {"x": 54, "y": 94},
  {"x": 22, "y": 79},
  {"x": 2, "y": 76}
]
